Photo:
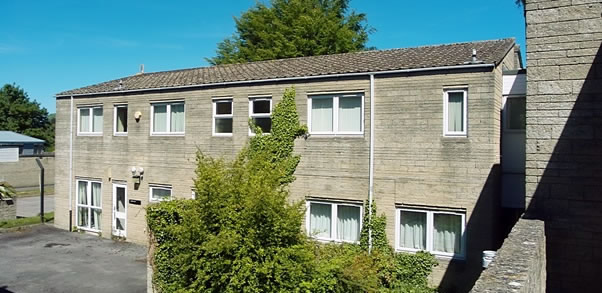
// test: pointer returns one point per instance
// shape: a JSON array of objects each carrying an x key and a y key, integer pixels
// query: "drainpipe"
[
  {"x": 71, "y": 167},
  {"x": 371, "y": 176}
]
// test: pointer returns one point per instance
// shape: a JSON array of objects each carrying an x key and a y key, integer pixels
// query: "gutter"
[{"x": 338, "y": 75}]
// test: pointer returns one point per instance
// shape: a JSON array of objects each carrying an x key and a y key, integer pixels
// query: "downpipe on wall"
[
  {"x": 371, "y": 168},
  {"x": 71, "y": 167}
]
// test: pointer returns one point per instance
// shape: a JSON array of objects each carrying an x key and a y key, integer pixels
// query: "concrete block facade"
[
  {"x": 564, "y": 137},
  {"x": 415, "y": 165}
]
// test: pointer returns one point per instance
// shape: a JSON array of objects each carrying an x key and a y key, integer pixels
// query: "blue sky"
[{"x": 50, "y": 46}]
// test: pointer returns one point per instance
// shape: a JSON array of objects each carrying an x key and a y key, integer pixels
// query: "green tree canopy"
[
  {"x": 20, "y": 114},
  {"x": 294, "y": 28}
]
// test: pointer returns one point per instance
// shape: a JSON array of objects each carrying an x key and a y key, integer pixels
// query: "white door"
[{"x": 119, "y": 209}]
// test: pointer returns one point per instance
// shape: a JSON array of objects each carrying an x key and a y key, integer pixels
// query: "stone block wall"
[
  {"x": 520, "y": 265},
  {"x": 26, "y": 173},
  {"x": 564, "y": 137},
  {"x": 8, "y": 210}
]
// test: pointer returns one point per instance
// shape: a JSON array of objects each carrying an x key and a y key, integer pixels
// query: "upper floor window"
[
  {"x": 222, "y": 117},
  {"x": 121, "y": 120},
  {"x": 439, "y": 232},
  {"x": 167, "y": 118},
  {"x": 334, "y": 221},
  {"x": 260, "y": 112},
  {"x": 336, "y": 114},
  {"x": 159, "y": 192},
  {"x": 454, "y": 112},
  {"x": 89, "y": 120},
  {"x": 515, "y": 113}
]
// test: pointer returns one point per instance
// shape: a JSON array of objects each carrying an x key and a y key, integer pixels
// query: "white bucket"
[{"x": 488, "y": 256}]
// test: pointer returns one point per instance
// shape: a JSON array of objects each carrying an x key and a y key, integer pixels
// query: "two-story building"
[{"x": 418, "y": 130}]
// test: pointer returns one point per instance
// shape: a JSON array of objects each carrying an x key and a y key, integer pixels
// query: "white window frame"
[
  {"x": 90, "y": 130},
  {"x": 334, "y": 219},
  {"x": 115, "y": 132},
  {"x": 168, "y": 119},
  {"x": 335, "y": 114},
  {"x": 429, "y": 232},
  {"x": 151, "y": 187},
  {"x": 88, "y": 206},
  {"x": 262, "y": 115},
  {"x": 217, "y": 116},
  {"x": 446, "y": 131}
]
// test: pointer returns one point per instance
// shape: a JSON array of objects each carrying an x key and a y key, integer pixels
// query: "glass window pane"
[
  {"x": 161, "y": 194},
  {"x": 348, "y": 223},
  {"x": 97, "y": 120},
  {"x": 320, "y": 220},
  {"x": 516, "y": 108},
  {"x": 455, "y": 112},
  {"x": 84, "y": 120},
  {"x": 223, "y": 108},
  {"x": 96, "y": 194},
  {"x": 82, "y": 192},
  {"x": 261, "y": 107},
  {"x": 121, "y": 119},
  {"x": 120, "y": 197},
  {"x": 264, "y": 123},
  {"x": 120, "y": 224},
  {"x": 350, "y": 114},
  {"x": 82, "y": 217},
  {"x": 177, "y": 118},
  {"x": 447, "y": 233},
  {"x": 412, "y": 232},
  {"x": 321, "y": 115},
  {"x": 223, "y": 125},
  {"x": 160, "y": 118},
  {"x": 95, "y": 219}
]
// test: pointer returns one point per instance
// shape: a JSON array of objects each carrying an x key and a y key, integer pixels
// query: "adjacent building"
[
  {"x": 430, "y": 133},
  {"x": 13, "y": 144}
]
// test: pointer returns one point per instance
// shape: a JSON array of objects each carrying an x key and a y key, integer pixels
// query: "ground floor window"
[
  {"x": 159, "y": 192},
  {"x": 89, "y": 208},
  {"x": 439, "y": 232},
  {"x": 331, "y": 221}
]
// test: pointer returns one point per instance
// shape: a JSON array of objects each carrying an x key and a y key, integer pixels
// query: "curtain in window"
[
  {"x": 95, "y": 219},
  {"x": 447, "y": 233},
  {"x": 177, "y": 118},
  {"x": 122, "y": 119},
  {"x": 97, "y": 120},
  {"x": 455, "y": 108},
  {"x": 348, "y": 223},
  {"x": 321, "y": 114},
  {"x": 161, "y": 194},
  {"x": 82, "y": 217},
  {"x": 82, "y": 194},
  {"x": 96, "y": 195},
  {"x": 160, "y": 118},
  {"x": 350, "y": 114},
  {"x": 84, "y": 120},
  {"x": 319, "y": 220},
  {"x": 413, "y": 230}
]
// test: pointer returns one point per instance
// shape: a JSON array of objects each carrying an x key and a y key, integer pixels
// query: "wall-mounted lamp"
[
  {"x": 137, "y": 116},
  {"x": 137, "y": 174}
]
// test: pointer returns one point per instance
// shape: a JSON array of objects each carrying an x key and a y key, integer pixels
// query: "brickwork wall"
[
  {"x": 8, "y": 210},
  {"x": 564, "y": 137}
]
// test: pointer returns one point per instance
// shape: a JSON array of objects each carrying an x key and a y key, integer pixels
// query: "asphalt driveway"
[{"x": 46, "y": 259}]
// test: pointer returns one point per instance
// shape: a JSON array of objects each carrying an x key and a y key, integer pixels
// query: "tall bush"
[{"x": 243, "y": 234}]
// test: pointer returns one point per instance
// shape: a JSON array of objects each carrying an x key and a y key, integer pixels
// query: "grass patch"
[
  {"x": 48, "y": 217},
  {"x": 35, "y": 192}
]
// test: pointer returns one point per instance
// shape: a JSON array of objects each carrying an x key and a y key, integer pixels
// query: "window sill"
[
  {"x": 222, "y": 135},
  {"x": 321, "y": 135},
  {"x": 120, "y": 134},
  {"x": 435, "y": 254},
  {"x": 89, "y": 230},
  {"x": 324, "y": 240},
  {"x": 169, "y": 134}
]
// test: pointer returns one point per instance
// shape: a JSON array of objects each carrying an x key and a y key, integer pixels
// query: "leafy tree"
[
  {"x": 19, "y": 114},
  {"x": 7, "y": 191},
  {"x": 294, "y": 28}
]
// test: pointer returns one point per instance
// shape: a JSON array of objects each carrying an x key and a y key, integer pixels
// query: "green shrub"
[{"x": 242, "y": 233}]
